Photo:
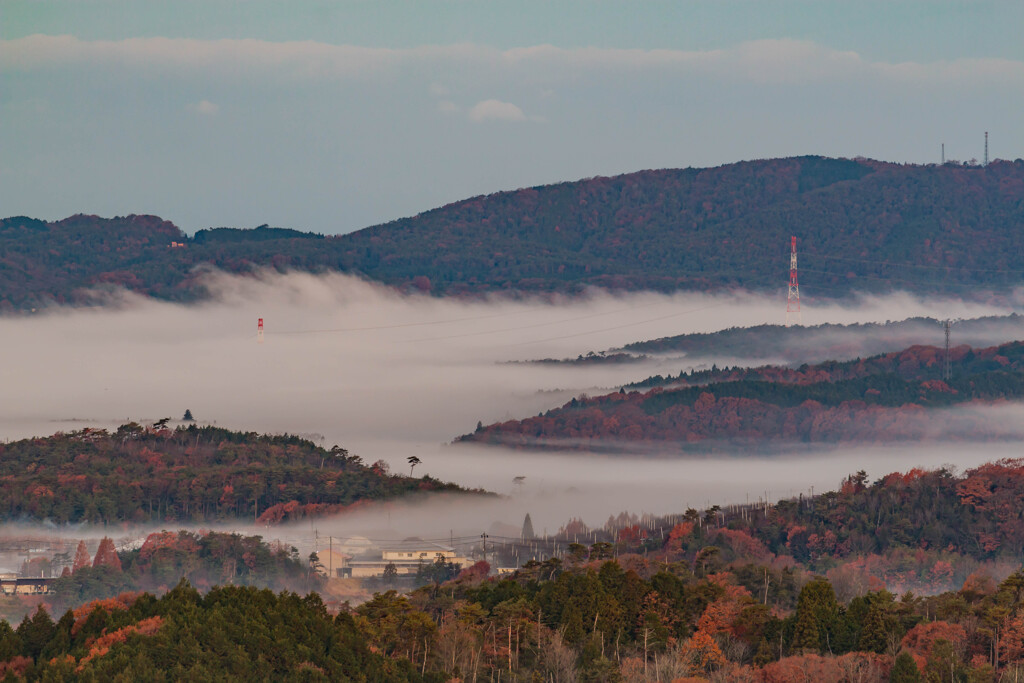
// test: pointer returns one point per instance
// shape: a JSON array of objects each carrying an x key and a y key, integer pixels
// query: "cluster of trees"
[
  {"x": 630, "y": 619},
  {"x": 666, "y": 230},
  {"x": 585, "y": 619},
  {"x": 878, "y": 399},
  {"x": 192, "y": 473},
  {"x": 230, "y": 633},
  {"x": 925, "y": 531},
  {"x": 814, "y": 588},
  {"x": 204, "y": 559}
]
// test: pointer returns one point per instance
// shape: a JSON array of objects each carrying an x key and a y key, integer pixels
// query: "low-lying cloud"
[{"x": 389, "y": 375}]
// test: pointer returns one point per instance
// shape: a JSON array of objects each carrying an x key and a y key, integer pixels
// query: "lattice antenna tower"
[
  {"x": 986, "y": 148},
  {"x": 947, "y": 370},
  {"x": 259, "y": 331},
  {"x": 793, "y": 301}
]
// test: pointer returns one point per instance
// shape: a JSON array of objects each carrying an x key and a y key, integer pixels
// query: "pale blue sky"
[{"x": 332, "y": 116}]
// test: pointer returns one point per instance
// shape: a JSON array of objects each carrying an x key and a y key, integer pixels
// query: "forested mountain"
[
  {"x": 890, "y": 397},
  {"x": 862, "y": 226},
  {"x": 192, "y": 474}
]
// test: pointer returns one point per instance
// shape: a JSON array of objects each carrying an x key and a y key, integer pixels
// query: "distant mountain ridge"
[
  {"x": 862, "y": 226},
  {"x": 892, "y": 397}
]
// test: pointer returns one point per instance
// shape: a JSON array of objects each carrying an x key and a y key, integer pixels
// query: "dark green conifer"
[
  {"x": 35, "y": 632},
  {"x": 904, "y": 670}
]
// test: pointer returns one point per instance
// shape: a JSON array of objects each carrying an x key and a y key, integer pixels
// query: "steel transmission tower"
[
  {"x": 793, "y": 302},
  {"x": 947, "y": 370}
]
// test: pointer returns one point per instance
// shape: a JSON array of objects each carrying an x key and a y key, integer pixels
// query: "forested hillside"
[
  {"x": 231, "y": 633},
  {"x": 188, "y": 474},
  {"x": 890, "y": 397},
  {"x": 817, "y": 343},
  {"x": 862, "y": 226},
  {"x": 914, "y": 577}
]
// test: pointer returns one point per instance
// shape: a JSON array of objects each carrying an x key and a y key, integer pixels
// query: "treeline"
[
  {"x": 884, "y": 398},
  {"x": 586, "y": 619},
  {"x": 187, "y": 474},
  {"x": 716, "y": 228},
  {"x": 231, "y": 633},
  {"x": 924, "y": 530},
  {"x": 798, "y": 590},
  {"x": 204, "y": 559},
  {"x": 817, "y": 343}
]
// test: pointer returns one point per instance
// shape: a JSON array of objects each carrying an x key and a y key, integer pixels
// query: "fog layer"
[{"x": 388, "y": 375}]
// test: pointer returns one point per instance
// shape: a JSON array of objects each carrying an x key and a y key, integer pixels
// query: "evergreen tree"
[
  {"x": 36, "y": 632},
  {"x": 817, "y": 617},
  {"x": 765, "y": 653},
  {"x": 904, "y": 670},
  {"x": 528, "y": 533},
  {"x": 62, "y": 638},
  {"x": 10, "y": 642},
  {"x": 874, "y": 635}
]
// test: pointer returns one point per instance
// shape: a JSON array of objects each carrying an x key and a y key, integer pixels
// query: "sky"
[{"x": 333, "y": 116}]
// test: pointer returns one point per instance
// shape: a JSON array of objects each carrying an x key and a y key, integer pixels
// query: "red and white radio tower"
[
  {"x": 259, "y": 331},
  {"x": 793, "y": 304}
]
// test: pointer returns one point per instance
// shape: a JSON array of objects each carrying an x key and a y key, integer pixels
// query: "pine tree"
[
  {"x": 904, "y": 670},
  {"x": 10, "y": 642},
  {"x": 874, "y": 637},
  {"x": 36, "y": 632},
  {"x": 61, "y": 641},
  {"x": 765, "y": 653},
  {"x": 817, "y": 613},
  {"x": 806, "y": 637}
]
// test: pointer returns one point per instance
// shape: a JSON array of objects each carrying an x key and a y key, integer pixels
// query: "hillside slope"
[
  {"x": 187, "y": 475},
  {"x": 891, "y": 397},
  {"x": 859, "y": 224}
]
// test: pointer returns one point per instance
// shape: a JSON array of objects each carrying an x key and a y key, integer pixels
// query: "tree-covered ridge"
[
  {"x": 918, "y": 362},
  {"x": 816, "y": 343},
  {"x": 877, "y": 399},
  {"x": 726, "y": 227},
  {"x": 187, "y": 474}
]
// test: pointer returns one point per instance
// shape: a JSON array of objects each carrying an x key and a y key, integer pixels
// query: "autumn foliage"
[
  {"x": 896, "y": 396},
  {"x": 139, "y": 474}
]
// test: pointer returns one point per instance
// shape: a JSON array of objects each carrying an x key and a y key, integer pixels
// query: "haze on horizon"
[{"x": 332, "y": 117}]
